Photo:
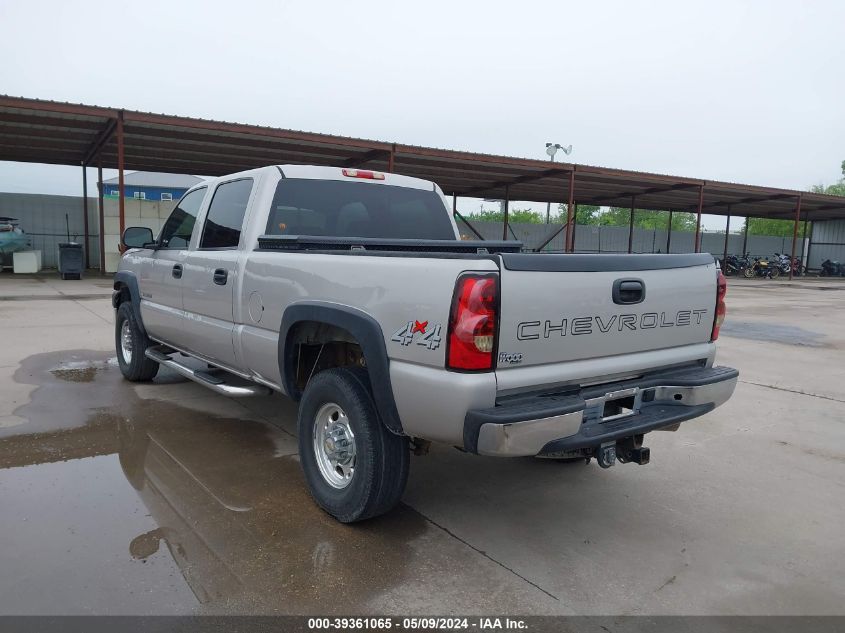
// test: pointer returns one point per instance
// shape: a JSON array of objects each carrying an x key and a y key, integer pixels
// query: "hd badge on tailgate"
[{"x": 425, "y": 334}]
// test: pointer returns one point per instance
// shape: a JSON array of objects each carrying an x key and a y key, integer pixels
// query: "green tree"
[
  {"x": 620, "y": 216},
  {"x": 526, "y": 216},
  {"x": 587, "y": 214},
  {"x": 769, "y": 226},
  {"x": 785, "y": 228},
  {"x": 836, "y": 189},
  {"x": 647, "y": 219}
]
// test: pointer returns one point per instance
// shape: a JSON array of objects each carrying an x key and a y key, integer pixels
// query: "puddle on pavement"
[
  {"x": 218, "y": 500},
  {"x": 774, "y": 333},
  {"x": 80, "y": 370}
]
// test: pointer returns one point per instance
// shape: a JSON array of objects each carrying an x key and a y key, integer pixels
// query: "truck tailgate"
[{"x": 558, "y": 308}]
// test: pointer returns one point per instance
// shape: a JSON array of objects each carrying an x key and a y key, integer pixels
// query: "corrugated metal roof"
[
  {"x": 156, "y": 179},
  {"x": 33, "y": 130}
]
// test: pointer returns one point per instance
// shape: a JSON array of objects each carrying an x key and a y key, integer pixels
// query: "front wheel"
[
  {"x": 130, "y": 344},
  {"x": 355, "y": 468},
  {"x": 774, "y": 272},
  {"x": 748, "y": 272}
]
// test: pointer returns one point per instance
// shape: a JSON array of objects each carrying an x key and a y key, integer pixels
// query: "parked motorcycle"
[
  {"x": 762, "y": 268},
  {"x": 787, "y": 263},
  {"x": 832, "y": 269},
  {"x": 735, "y": 265}
]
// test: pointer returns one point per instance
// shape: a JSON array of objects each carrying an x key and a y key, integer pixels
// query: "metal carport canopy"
[{"x": 33, "y": 130}]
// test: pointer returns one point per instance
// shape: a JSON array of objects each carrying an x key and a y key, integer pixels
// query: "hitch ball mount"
[{"x": 628, "y": 450}]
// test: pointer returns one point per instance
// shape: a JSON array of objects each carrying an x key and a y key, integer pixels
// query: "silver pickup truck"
[{"x": 352, "y": 292}]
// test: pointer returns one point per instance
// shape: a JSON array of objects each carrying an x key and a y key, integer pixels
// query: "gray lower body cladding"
[{"x": 551, "y": 422}]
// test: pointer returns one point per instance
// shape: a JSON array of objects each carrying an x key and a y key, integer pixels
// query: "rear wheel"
[
  {"x": 748, "y": 272},
  {"x": 130, "y": 344},
  {"x": 355, "y": 468},
  {"x": 774, "y": 272}
]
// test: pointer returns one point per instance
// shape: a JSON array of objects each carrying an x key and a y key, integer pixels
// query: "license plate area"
[{"x": 620, "y": 404}]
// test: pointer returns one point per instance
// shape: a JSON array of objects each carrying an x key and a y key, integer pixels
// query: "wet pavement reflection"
[{"x": 114, "y": 503}]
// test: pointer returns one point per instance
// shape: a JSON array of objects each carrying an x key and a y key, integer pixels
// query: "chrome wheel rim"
[
  {"x": 126, "y": 342},
  {"x": 334, "y": 446}
]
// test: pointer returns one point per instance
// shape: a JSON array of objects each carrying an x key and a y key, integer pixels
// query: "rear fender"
[{"x": 364, "y": 329}]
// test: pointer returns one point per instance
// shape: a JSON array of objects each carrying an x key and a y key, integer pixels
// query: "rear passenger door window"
[
  {"x": 177, "y": 230},
  {"x": 225, "y": 218}
]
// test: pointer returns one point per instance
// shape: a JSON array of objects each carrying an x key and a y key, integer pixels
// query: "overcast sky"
[{"x": 749, "y": 92}]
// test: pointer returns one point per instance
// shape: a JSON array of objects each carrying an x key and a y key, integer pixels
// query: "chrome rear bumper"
[{"x": 555, "y": 422}]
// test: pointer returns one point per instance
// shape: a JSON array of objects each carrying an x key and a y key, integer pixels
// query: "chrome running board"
[{"x": 213, "y": 381}]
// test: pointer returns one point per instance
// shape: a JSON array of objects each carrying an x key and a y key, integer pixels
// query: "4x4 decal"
[{"x": 430, "y": 336}]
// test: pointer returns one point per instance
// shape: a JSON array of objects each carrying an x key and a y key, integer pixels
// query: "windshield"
[{"x": 355, "y": 209}]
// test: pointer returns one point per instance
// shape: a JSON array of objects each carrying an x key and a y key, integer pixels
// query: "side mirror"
[{"x": 137, "y": 237}]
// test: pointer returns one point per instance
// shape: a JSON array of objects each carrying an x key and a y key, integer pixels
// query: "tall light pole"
[{"x": 551, "y": 150}]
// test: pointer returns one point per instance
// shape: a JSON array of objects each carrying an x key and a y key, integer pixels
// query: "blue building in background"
[{"x": 149, "y": 185}]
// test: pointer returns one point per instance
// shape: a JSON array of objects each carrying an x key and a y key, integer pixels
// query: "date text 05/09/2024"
[{"x": 418, "y": 623}]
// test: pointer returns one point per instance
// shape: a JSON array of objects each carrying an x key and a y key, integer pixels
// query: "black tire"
[
  {"x": 382, "y": 459},
  {"x": 137, "y": 367}
]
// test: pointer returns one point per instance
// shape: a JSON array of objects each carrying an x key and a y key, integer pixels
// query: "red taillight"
[
  {"x": 361, "y": 173},
  {"x": 721, "y": 308},
  {"x": 472, "y": 323}
]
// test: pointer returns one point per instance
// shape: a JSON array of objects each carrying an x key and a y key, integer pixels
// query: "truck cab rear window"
[{"x": 354, "y": 209}]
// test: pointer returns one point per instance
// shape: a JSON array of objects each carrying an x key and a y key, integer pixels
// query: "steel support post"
[
  {"x": 795, "y": 234},
  {"x": 810, "y": 244},
  {"x": 85, "y": 229},
  {"x": 669, "y": 233},
  {"x": 569, "y": 246},
  {"x": 120, "y": 185},
  {"x": 455, "y": 212},
  {"x": 505, "y": 225},
  {"x": 698, "y": 219},
  {"x": 101, "y": 215},
  {"x": 745, "y": 236}
]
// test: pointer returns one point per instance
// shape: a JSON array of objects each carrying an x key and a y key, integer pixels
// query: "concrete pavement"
[{"x": 166, "y": 498}]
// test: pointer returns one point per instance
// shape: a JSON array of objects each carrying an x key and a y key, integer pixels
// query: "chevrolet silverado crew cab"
[{"x": 353, "y": 293}]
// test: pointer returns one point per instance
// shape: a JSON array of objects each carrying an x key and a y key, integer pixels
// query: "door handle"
[
  {"x": 221, "y": 276},
  {"x": 177, "y": 271},
  {"x": 628, "y": 291}
]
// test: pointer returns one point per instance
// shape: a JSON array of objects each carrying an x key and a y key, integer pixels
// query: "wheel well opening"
[
  {"x": 316, "y": 346},
  {"x": 122, "y": 295}
]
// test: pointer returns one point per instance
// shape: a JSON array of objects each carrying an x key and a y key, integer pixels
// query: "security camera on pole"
[{"x": 551, "y": 150}]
